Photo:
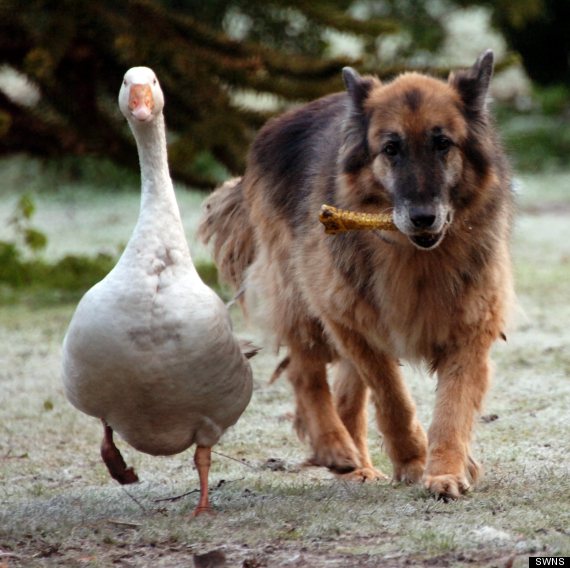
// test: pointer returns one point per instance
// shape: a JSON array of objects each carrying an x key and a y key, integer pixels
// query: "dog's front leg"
[
  {"x": 462, "y": 383},
  {"x": 404, "y": 438}
]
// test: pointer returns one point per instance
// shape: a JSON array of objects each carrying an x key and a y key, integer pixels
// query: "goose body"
[{"x": 150, "y": 349}]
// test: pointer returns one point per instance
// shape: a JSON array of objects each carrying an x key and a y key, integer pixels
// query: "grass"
[
  {"x": 538, "y": 138},
  {"x": 85, "y": 226},
  {"x": 58, "y": 506},
  {"x": 81, "y": 216},
  {"x": 538, "y": 142}
]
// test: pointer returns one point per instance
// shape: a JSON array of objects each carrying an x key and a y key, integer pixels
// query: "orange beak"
[{"x": 141, "y": 102}]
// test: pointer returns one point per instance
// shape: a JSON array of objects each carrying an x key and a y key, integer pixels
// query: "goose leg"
[
  {"x": 202, "y": 459},
  {"x": 114, "y": 460}
]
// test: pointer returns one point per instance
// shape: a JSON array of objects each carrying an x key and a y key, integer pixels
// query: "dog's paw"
[
  {"x": 449, "y": 479},
  {"x": 364, "y": 474},
  {"x": 409, "y": 472},
  {"x": 447, "y": 487},
  {"x": 336, "y": 452}
]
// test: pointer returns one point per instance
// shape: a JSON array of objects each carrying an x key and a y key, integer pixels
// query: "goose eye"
[
  {"x": 125, "y": 82},
  {"x": 154, "y": 81}
]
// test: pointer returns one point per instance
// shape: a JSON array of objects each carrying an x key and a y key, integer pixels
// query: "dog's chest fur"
[{"x": 410, "y": 303}]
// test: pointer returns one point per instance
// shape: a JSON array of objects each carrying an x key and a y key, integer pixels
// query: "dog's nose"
[{"x": 422, "y": 217}]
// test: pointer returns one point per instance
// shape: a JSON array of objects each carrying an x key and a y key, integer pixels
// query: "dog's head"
[{"x": 416, "y": 144}]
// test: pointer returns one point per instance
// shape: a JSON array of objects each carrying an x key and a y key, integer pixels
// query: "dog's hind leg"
[
  {"x": 351, "y": 399},
  {"x": 330, "y": 441}
]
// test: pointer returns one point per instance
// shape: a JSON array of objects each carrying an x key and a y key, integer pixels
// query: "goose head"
[{"x": 140, "y": 99}]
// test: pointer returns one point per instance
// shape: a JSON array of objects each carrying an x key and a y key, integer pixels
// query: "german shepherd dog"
[{"x": 437, "y": 290}]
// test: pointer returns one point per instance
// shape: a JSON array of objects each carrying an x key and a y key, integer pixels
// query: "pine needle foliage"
[{"x": 75, "y": 53}]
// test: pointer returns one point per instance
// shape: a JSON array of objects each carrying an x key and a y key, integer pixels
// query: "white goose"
[{"x": 150, "y": 350}]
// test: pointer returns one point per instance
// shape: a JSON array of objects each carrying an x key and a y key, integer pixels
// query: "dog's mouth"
[
  {"x": 426, "y": 241},
  {"x": 424, "y": 232}
]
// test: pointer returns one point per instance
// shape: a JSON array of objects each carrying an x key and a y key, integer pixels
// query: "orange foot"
[
  {"x": 200, "y": 510},
  {"x": 202, "y": 460},
  {"x": 114, "y": 460}
]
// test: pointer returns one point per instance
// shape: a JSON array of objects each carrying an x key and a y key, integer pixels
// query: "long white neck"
[
  {"x": 158, "y": 201},
  {"x": 155, "y": 177}
]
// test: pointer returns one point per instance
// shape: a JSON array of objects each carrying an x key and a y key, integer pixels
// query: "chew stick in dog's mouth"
[{"x": 340, "y": 220}]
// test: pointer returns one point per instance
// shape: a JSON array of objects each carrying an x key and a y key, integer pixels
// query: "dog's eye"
[
  {"x": 441, "y": 143},
  {"x": 391, "y": 149}
]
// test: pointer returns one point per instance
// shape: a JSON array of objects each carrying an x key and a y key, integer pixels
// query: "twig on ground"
[
  {"x": 212, "y": 489},
  {"x": 176, "y": 497},
  {"x": 234, "y": 459},
  {"x": 9, "y": 456},
  {"x": 124, "y": 523},
  {"x": 135, "y": 500},
  {"x": 9, "y": 555}
]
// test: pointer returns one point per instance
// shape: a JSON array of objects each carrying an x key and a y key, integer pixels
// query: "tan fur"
[
  {"x": 224, "y": 212},
  {"x": 368, "y": 300}
]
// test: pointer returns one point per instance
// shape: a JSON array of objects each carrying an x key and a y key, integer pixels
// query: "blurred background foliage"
[
  {"x": 537, "y": 29},
  {"x": 226, "y": 66}
]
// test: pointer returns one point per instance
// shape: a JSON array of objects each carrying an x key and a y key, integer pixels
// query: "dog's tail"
[{"x": 225, "y": 222}]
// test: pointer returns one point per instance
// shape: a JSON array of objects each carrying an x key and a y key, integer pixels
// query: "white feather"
[{"x": 150, "y": 348}]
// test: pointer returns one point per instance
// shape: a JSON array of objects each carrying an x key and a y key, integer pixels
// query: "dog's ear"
[
  {"x": 354, "y": 152},
  {"x": 473, "y": 83},
  {"x": 358, "y": 87}
]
